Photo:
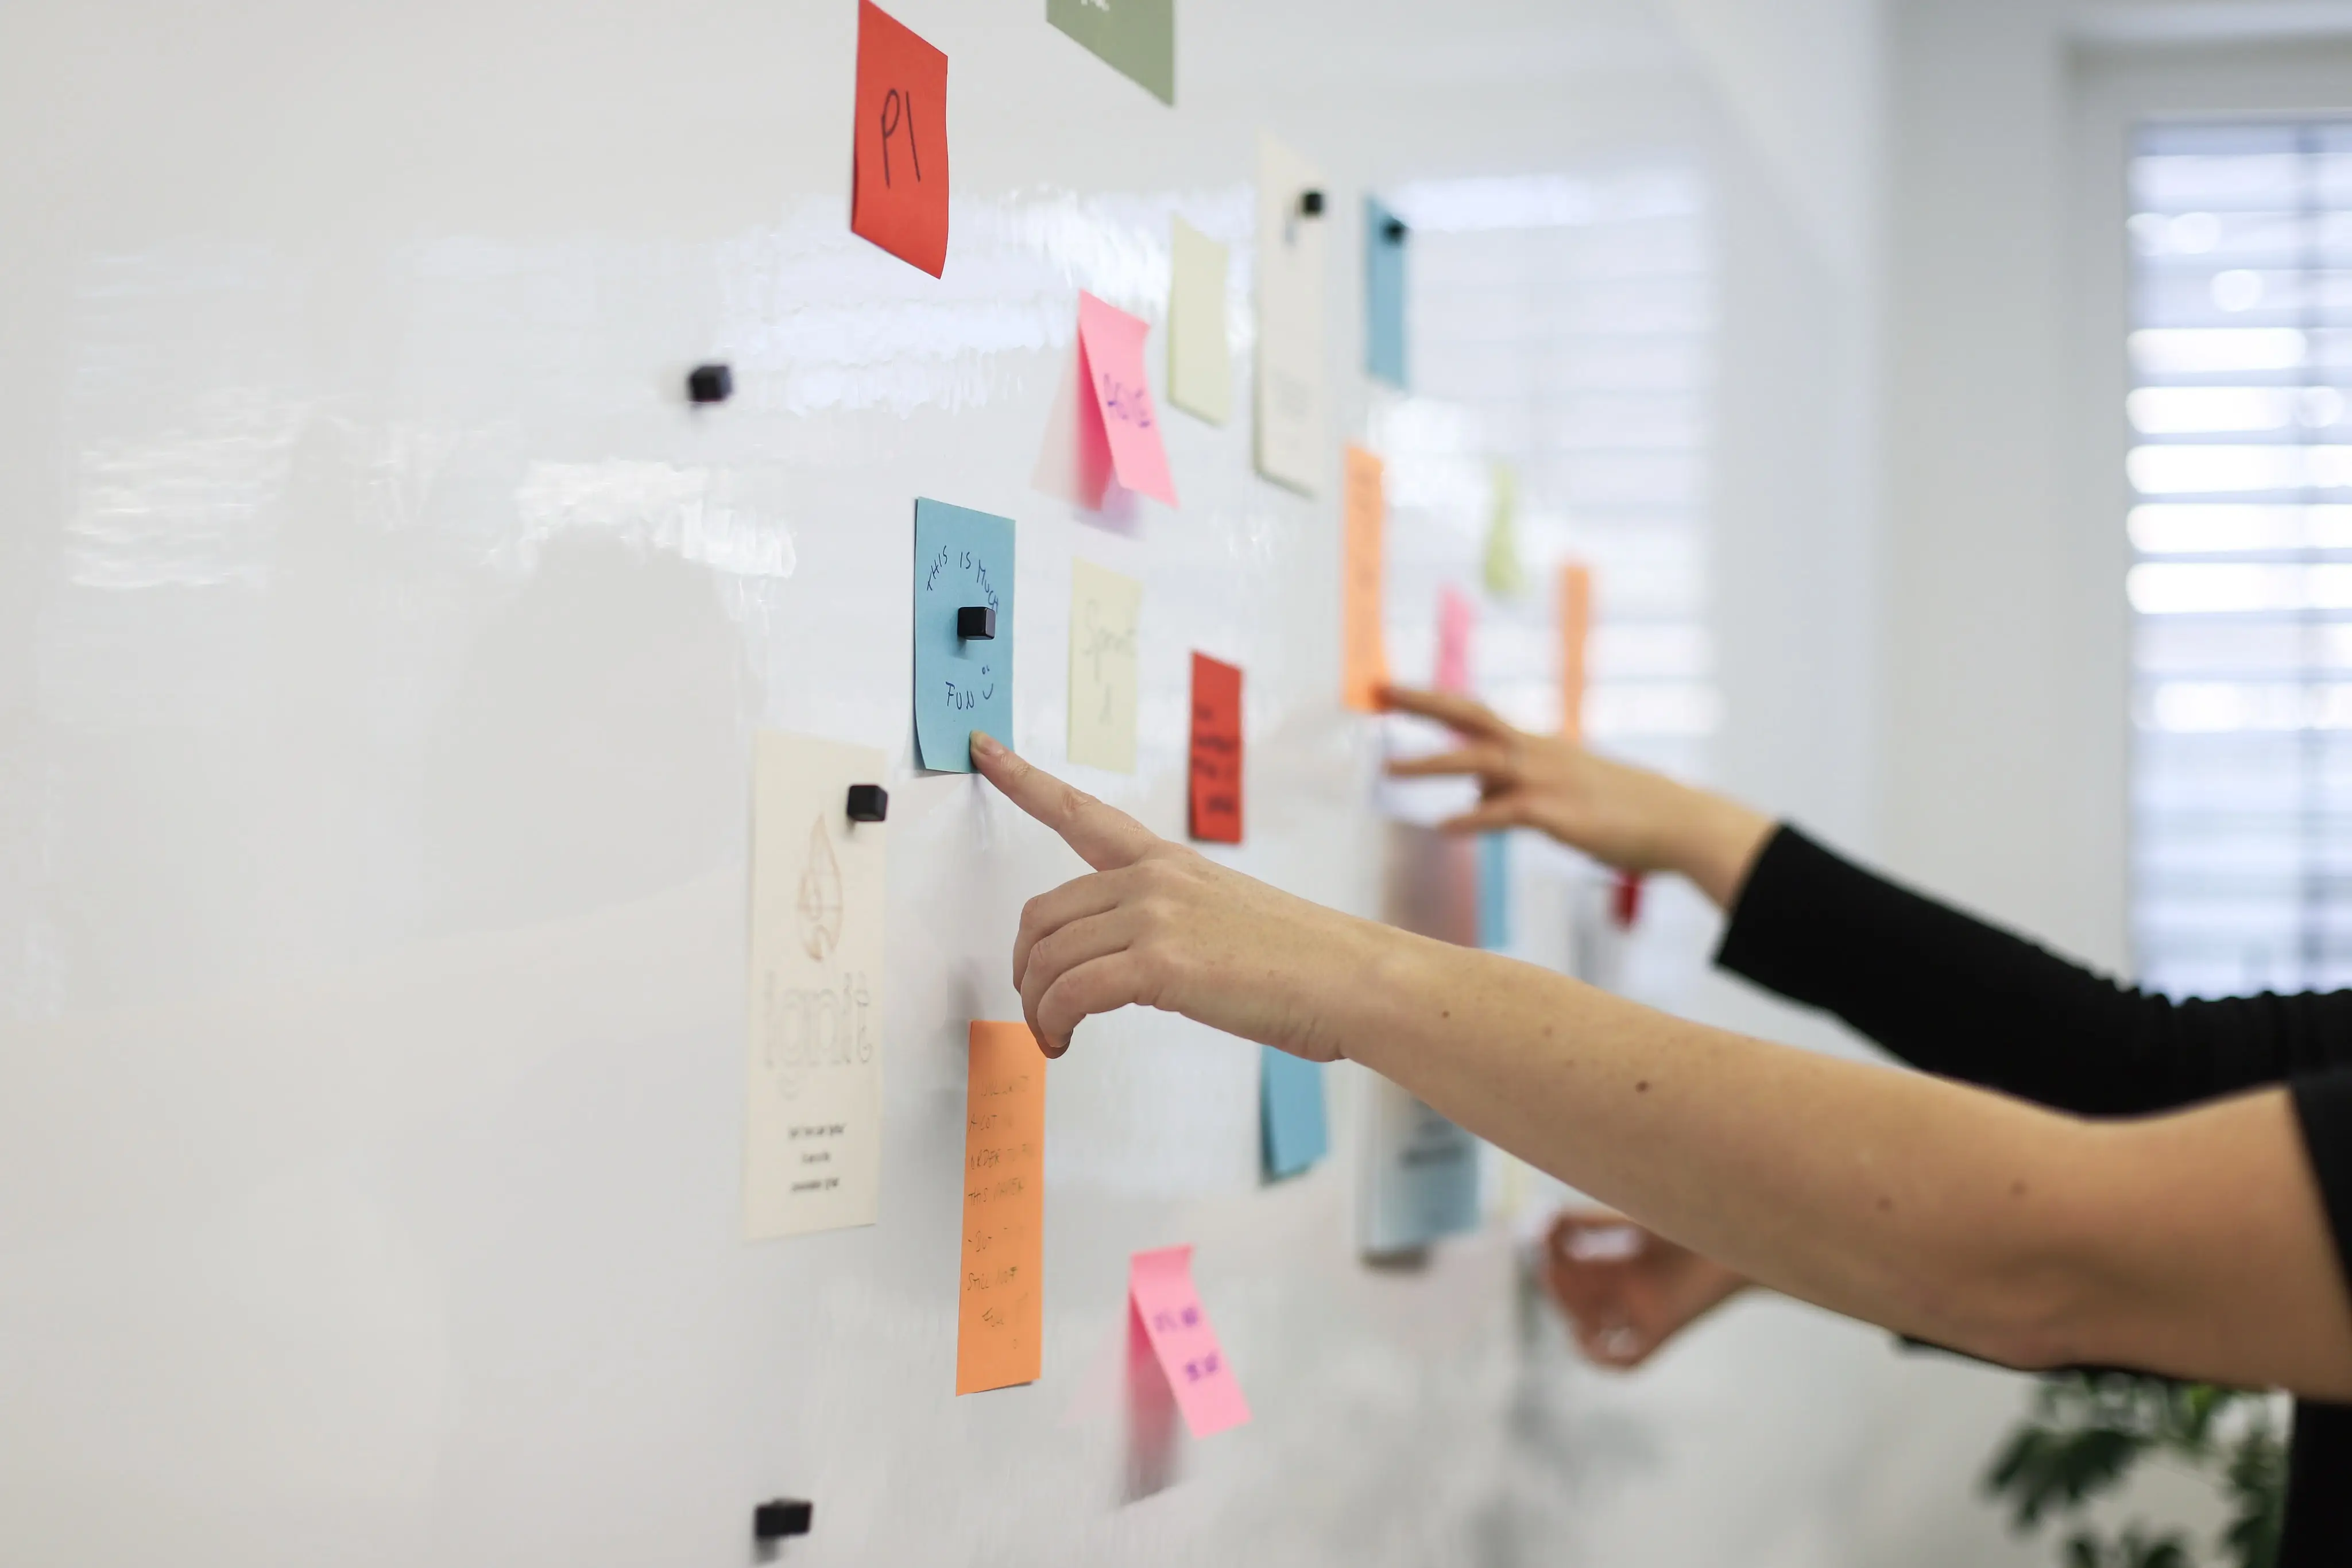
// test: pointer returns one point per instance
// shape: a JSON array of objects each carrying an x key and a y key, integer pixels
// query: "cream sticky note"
[
  {"x": 1160, "y": 1285},
  {"x": 1104, "y": 611},
  {"x": 1575, "y": 631},
  {"x": 1293, "y": 214},
  {"x": 1000, "y": 1313},
  {"x": 1200, "y": 358},
  {"x": 1364, "y": 648},
  {"x": 1110, "y": 342},
  {"x": 812, "y": 1079}
]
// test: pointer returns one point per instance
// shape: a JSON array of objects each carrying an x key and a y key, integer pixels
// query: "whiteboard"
[{"x": 385, "y": 639}]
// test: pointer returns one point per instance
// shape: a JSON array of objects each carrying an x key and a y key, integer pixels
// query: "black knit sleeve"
[{"x": 1958, "y": 997}]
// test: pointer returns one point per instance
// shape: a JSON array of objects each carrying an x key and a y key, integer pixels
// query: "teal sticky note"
[
  {"x": 1385, "y": 238},
  {"x": 1137, "y": 37},
  {"x": 1495, "y": 891},
  {"x": 963, "y": 560},
  {"x": 1290, "y": 1113}
]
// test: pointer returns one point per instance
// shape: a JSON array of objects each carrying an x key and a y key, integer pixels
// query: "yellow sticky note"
[
  {"x": 1200, "y": 362},
  {"x": 1104, "y": 609},
  {"x": 1000, "y": 1314},
  {"x": 1364, "y": 650}
]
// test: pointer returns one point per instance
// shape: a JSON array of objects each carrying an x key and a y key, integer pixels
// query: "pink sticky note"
[
  {"x": 1160, "y": 1285},
  {"x": 1457, "y": 617},
  {"x": 1110, "y": 346}
]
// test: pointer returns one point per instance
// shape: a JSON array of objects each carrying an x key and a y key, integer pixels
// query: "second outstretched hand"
[
  {"x": 1625, "y": 816},
  {"x": 1156, "y": 924}
]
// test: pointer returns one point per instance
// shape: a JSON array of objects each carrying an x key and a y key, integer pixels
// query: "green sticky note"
[{"x": 1137, "y": 36}]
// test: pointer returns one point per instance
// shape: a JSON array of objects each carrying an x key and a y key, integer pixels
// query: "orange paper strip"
[
  {"x": 1001, "y": 1314},
  {"x": 1575, "y": 629},
  {"x": 1364, "y": 650}
]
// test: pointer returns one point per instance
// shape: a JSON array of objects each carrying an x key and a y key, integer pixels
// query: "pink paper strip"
[
  {"x": 1159, "y": 1284},
  {"x": 1457, "y": 617},
  {"x": 1110, "y": 342}
]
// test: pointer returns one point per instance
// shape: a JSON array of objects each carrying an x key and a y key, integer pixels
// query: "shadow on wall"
[{"x": 589, "y": 753}]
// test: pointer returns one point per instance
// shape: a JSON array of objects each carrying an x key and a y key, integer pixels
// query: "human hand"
[
  {"x": 1624, "y": 1290},
  {"x": 1158, "y": 925},
  {"x": 1625, "y": 816}
]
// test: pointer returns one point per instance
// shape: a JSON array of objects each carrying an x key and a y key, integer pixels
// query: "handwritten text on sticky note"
[
  {"x": 1216, "y": 769},
  {"x": 1105, "y": 608},
  {"x": 898, "y": 162},
  {"x": 1111, "y": 341},
  {"x": 1365, "y": 649},
  {"x": 1159, "y": 1283},
  {"x": 999, "y": 1313}
]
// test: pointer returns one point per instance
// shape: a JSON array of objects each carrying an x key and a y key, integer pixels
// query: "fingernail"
[{"x": 986, "y": 745}]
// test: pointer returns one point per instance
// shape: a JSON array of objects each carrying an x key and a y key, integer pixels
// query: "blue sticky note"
[
  {"x": 1421, "y": 1173},
  {"x": 1495, "y": 891},
  {"x": 1385, "y": 237},
  {"x": 963, "y": 560},
  {"x": 1290, "y": 1113}
]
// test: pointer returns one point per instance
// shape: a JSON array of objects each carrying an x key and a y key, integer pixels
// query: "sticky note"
[
  {"x": 1200, "y": 358},
  {"x": 1104, "y": 609},
  {"x": 898, "y": 161},
  {"x": 1495, "y": 891},
  {"x": 999, "y": 1313},
  {"x": 813, "y": 1077},
  {"x": 1137, "y": 37},
  {"x": 1216, "y": 763},
  {"x": 963, "y": 560},
  {"x": 1419, "y": 1171},
  {"x": 1575, "y": 632},
  {"x": 1364, "y": 648},
  {"x": 1293, "y": 1129},
  {"x": 1505, "y": 573},
  {"x": 1457, "y": 621},
  {"x": 1111, "y": 342},
  {"x": 1291, "y": 446},
  {"x": 1384, "y": 250},
  {"x": 1161, "y": 1294}
]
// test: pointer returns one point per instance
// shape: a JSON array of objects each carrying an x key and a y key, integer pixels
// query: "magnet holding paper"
[
  {"x": 1393, "y": 231},
  {"x": 711, "y": 383},
  {"x": 868, "y": 804},
  {"x": 976, "y": 622},
  {"x": 784, "y": 1516},
  {"x": 1310, "y": 203}
]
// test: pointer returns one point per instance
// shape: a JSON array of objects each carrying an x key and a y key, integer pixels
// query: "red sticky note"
[
  {"x": 1160, "y": 1286},
  {"x": 1457, "y": 618},
  {"x": 1110, "y": 348},
  {"x": 1216, "y": 751},
  {"x": 898, "y": 162}
]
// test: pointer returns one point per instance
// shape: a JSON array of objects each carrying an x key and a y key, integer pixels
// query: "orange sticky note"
[
  {"x": 1364, "y": 650},
  {"x": 898, "y": 160},
  {"x": 1001, "y": 1310},
  {"x": 1575, "y": 631},
  {"x": 1216, "y": 751}
]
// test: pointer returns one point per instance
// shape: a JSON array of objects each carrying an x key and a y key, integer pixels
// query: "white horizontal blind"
[{"x": 2241, "y": 584}]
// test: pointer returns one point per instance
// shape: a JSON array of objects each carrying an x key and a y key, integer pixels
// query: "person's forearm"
[
  {"x": 1935, "y": 1210},
  {"x": 1714, "y": 840}
]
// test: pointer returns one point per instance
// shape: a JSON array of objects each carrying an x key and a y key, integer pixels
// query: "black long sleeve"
[{"x": 1958, "y": 997}]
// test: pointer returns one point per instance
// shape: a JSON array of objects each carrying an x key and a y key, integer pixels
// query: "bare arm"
[{"x": 2192, "y": 1244}]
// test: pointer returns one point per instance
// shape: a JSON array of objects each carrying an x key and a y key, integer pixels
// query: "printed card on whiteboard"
[
  {"x": 1293, "y": 213},
  {"x": 899, "y": 161},
  {"x": 1104, "y": 611},
  {"x": 812, "y": 1089}
]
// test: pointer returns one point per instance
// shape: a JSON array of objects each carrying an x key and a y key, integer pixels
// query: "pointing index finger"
[
  {"x": 1467, "y": 714},
  {"x": 1105, "y": 837}
]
